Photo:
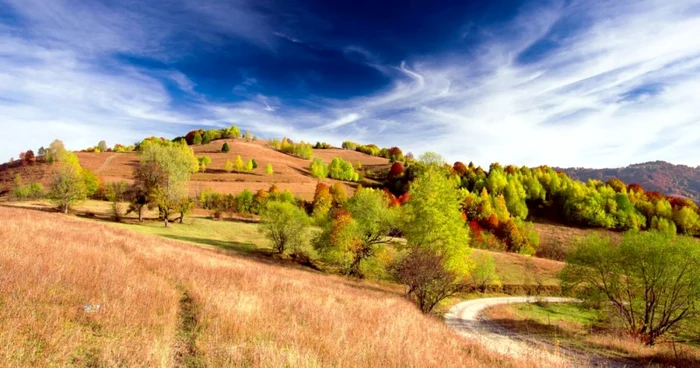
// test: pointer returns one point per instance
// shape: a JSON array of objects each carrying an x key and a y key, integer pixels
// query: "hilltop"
[
  {"x": 660, "y": 176},
  {"x": 289, "y": 172}
]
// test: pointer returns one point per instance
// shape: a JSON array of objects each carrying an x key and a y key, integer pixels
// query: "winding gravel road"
[{"x": 467, "y": 320}]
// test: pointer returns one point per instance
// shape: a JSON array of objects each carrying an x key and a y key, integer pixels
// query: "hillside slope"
[
  {"x": 165, "y": 303},
  {"x": 660, "y": 176},
  {"x": 289, "y": 172}
]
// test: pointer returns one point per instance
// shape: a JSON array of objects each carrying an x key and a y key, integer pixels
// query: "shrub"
[
  {"x": 204, "y": 161},
  {"x": 225, "y": 148},
  {"x": 197, "y": 139},
  {"x": 323, "y": 145},
  {"x": 483, "y": 273},
  {"x": 342, "y": 170},
  {"x": 268, "y": 169},
  {"x": 319, "y": 169},
  {"x": 302, "y": 149},
  {"x": 286, "y": 226}
]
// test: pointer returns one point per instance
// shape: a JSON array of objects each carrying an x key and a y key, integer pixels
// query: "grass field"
[
  {"x": 573, "y": 325},
  {"x": 167, "y": 303}
]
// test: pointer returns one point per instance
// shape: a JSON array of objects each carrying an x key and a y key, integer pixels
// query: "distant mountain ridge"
[{"x": 660, "y": 176}]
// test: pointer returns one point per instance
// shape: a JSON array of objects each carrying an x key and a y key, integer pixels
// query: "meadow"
[{"x": 167, "y": 303}]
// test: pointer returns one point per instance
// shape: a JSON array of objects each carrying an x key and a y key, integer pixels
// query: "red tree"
[
  {"x": 396, "y": 170},
  {"x": 29, "y": 157},
  {"x": 460, "y": 168}
]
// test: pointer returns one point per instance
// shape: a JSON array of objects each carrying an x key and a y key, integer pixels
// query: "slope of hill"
[
  {"x": 289, "y": 172},
  {"x": 166, "y": 303},
  {"x": 660, "y": 176}
]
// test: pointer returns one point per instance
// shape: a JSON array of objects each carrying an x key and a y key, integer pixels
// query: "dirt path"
[
  {"x": 467, "y": 320},
  {"x": 106, "y": 163}
]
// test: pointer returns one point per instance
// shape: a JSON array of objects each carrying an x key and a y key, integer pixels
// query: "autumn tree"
[
  {"x": 338, "y": 194},
  {"x": 238, "y": 164},
  {"x": 651, "y": 279},
  {"x": 322, "y": 200},
  {"x": 352, "y": 241},
  {"x": 68, "y": 184},
  {"x": 268, "y": 169},
  {"x": 396, "y": 170},
  {"x": 228, "y": 166},
  {"x": 171, "y": 164}
]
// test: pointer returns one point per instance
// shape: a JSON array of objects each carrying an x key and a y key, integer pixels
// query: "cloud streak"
[{"x": 566, "y": 84}]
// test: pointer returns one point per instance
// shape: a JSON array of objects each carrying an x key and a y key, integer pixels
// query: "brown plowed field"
[{"x": 289, "y": 172}]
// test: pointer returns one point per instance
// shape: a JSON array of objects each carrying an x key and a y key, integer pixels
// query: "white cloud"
[{"x": 621, "y": 90}]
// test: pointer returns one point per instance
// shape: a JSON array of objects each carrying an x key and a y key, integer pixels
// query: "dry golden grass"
[
  {"x": 556, "y": 239},
  {"x": 247, "y": 313}
]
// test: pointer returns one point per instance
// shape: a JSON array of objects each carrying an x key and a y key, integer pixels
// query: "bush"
[
  {"x": 319, "y": 169},
  {"x": 269, "y": 170},
  {"x": 286, "y": 225},
  {"x": 225, "y": 148},
  {"x": 483, "y": 273},
  {"x": 342, "y": 170},
  {"x": 302, "y": 149}
]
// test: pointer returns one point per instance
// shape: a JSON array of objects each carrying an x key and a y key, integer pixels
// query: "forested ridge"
[{"x": 661, "y": 176}]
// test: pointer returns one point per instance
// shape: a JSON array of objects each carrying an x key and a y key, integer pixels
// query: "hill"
[
  {"x": 167, "y": 303},
  {"x": 660, "y": 176},
  {"x": 289, "y": 172}
]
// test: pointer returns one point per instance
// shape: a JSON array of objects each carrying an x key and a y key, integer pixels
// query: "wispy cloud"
[{"x": 589, "y": 83}]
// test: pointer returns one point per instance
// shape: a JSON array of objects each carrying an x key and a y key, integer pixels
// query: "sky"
[{"x": 564, "y": 83}]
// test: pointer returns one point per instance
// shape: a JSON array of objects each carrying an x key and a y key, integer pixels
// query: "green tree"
[
  {"x": 435, "y": 232},
  {"x": 269, "y": 170},
  {"x": 115, "y": 193},
  {"x": 484, "y": 272},
  {"x": 255, "y": 164},
  {"x": 652, "y": 280},
  {"x": 249, "y": 166},
  {"x": 229, "y": 166},
  {"x": 225, "y": 148},
  {"x": 197, "y": 139},
  {"x": 319, "y": 169},
  {"x": 366, "y": 230},
  {"x": 686, "y": 219},
  {"x": 204, "y": 161},
  {"x": 68, "y": 182},
  {"x": 102, "y": 146},
  {"x": 285, "y": 225},
  {"x": 171, "y": 164}
]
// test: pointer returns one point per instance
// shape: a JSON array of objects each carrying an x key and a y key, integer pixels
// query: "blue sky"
[{"x": 565, "y": 83}]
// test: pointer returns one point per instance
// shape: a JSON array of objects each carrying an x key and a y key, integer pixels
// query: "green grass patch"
[
  {"x": 551, "y": 313},
  {"x": 231, "y": 235}
]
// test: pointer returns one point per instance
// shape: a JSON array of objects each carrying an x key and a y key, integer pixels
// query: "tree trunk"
[
  {"x": 182, "y": 216},
  {"x": 165, "y": 219},
  {"x": 65, "y": 209},
  {"x": 140, "y": 214}
]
